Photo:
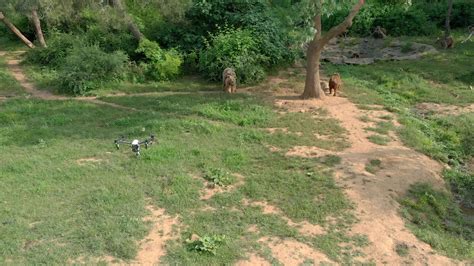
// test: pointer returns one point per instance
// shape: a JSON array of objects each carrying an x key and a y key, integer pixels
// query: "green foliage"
[
  {"x": 59, "y": 46},
  {"x": 159, "y": 64},
  {"x": 217, "y": 176},
  {"x": 373, "y": 166},
  {"x": 86, "y": 68},
  {"x": 207, "y": 244},
  {"x": 396, "y": 19},
  {"x": 462, "y": 183},
  {"x": 439, "y": 221},
  {"x": 233, "y": 48},
  {"x": 379, "y": 139}
]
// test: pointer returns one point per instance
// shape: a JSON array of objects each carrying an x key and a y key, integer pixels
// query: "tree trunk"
[
  {"x": 447, "y": 24},
  {"x": 15, "y": 30},
  {"x": 39, "y": 33},
  {"x": 132, "y": 27},
  {"x": 312, "y": 87}
]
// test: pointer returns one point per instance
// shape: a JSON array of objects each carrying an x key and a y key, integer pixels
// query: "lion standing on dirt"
[
  {"x": 335, "y": 83},
  {"x": 229, "y": 80}
]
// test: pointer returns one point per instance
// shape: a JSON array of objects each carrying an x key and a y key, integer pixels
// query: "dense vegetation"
[{"x": 91, "y": 51}]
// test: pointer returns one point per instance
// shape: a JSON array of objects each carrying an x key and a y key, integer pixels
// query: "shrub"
[
  {"x": 233, "y": 48},
  {"x": 159, "y": 64},
  {"x": 397, "y": 19},
  {"x": 207, "y": 244},
  {"x": 86, "y": 67},
  {"x": 59, "y": 45}
]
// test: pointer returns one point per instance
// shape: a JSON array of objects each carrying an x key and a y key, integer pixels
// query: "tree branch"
[{"x": 336, "y": 30}]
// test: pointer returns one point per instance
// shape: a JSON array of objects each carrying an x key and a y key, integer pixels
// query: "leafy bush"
[
  {"x": 86, "y": 67},
  {"x": 207, "y": 244},
  {"x": 217, "y": 176},
  {"x": 206, "y": 17},
  {"x": 233, "y": 48},
  {"x": 159, "y": 64},
  {"x": 396, "y": 19},
  {"x": 59, "y": 46}
]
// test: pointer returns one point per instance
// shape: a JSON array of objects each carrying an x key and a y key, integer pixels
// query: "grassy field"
[
  {"x": 67, "y": 194},
  {"x": 8, "y": 85},
  {"x": 56, "y": 208}
]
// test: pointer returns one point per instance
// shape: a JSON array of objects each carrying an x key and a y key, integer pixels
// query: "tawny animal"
[
  {"x": 229, "y": 80},
  {"x": 446, "y": 42},
  {"x": 335, "y": 83}
]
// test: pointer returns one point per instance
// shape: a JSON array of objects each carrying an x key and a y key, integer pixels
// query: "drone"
[{"x": 135, "y": 144}]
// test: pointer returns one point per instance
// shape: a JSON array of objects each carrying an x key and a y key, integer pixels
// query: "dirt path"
[
  {"x": 375, "y": 194},
  {"x": 13, "y": 66}
]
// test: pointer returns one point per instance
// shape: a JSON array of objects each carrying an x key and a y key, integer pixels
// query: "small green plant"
[
  {"x": 402, "y": 249},
  {"x": 217, "y": 176},
  {"x": 207, "y": 244},
  {"x": 386, "y": 117},
  {"x": 373, "y": 166},
  {"x": 378, "y": 139}
]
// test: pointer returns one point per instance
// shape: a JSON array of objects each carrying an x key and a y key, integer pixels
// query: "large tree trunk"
[
  {"x": 312, "y": 87},
  {"x": 447, "y": 24},
  {"x": 15, "y": 30},
  {"x": 132, "y": 27},
  {"x": 39, "y": 33}
]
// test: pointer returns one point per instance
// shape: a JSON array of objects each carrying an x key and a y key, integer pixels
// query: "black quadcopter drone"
[{"x": 135, "y": 144}]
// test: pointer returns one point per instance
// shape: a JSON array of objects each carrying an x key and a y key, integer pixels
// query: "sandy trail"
[{"x": 375, "y": 194}]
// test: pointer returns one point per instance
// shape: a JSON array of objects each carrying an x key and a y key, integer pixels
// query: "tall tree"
[
  {"x": 130, "y": 23},
  {"x": 447, "y": 24},
  {"x": 36, "y": 22},
  {"x": 15, "y": 30},
  {"x": 312, "y": 88}
]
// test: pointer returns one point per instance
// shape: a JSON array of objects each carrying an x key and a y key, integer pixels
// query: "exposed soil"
[
  {"x": 292, "y": 252},
  {"x": 210, "y": 190},
  {"x": 153, "y": 247},
  {"x": 253, "y": 260},
  {"x": 375, "y": 194},
  {"x": 84, "y": 161},
  {"x": 365, "y": 51},
  {"x": 427, "y": 109},
  {"x": 305, "y": 228}
]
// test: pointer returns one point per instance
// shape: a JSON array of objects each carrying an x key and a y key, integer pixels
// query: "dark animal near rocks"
[
  {"x": 379, "y": 33},
  {"x": 229, "y": 80},
  {"x": 335, "y": 83}
]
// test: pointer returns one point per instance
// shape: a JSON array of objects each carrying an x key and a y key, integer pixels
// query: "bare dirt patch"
[
  {"x": 253, "y": 260},
  {"x": 91, "y": 160},
  {"x": 375, "y": 194},
  {"x": 308, "y": 152},
  {"x": 153, "y": 247},
  {"x": 427, "y": 109},
  {"x": 304, "y": 227},
  {"x": 292, "y": 252},
  {"x": 210, "y": 190}
]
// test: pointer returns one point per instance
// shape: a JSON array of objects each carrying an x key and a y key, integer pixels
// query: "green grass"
[
  {"x": 379, "y": 139},
  {"x": 434, "y": 217},
  {"x": 55, "y": 209},
  {"x": 402, "y": 249},
  {"x": 8, "y": 85},
  {"x": 382, "y": 127},
  {"x": 373, "y": 166}
]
